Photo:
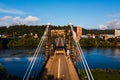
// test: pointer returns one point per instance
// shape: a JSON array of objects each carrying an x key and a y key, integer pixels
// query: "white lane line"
[{"x": 59, "y": 68}]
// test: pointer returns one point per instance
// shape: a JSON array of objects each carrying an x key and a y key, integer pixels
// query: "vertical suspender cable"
[
  {"x": 31, "y": 62},
  {"x": 82, "y": 55},
  {"x": 86, "y": 62},
  {"x": 29, "y": 69},
  {"x": 74, "y": 37}
]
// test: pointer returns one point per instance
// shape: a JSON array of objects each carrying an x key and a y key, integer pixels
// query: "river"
[
  {"x": 103, "y": 57},
  {"x": 16, "y": 61}
]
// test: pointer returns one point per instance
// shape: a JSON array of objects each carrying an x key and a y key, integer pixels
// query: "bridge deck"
[{"x": 60, "y": 67}]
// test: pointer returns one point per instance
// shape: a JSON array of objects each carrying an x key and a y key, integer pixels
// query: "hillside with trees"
[
  {"x": 18, "y": 30},
  {"x": 96, "y": 31},
  {"x": 28, "y": 41}
]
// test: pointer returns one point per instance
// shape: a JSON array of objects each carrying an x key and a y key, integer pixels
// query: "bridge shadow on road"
[{"x": 46, "y": 76}]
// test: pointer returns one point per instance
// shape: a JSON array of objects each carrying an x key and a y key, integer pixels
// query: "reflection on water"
[
  {"x": 16, "y": 61},
  {"x": 17, "y": 52},
  {"x": 103, "y": 57},
  {"x": 17, "y": 64}
]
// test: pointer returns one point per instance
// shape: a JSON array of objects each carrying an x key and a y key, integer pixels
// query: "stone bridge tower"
[{"x": 63, "y": 32}]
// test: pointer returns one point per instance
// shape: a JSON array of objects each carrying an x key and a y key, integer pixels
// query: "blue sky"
[{"x": 90, "y": 14}]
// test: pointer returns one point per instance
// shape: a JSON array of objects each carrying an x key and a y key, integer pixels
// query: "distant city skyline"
[{"x": 89, "y": 14}]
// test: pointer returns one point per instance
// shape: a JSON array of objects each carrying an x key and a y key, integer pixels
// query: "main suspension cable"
[
  {"x": 87, "y": 69},
  {"x": 31, "y": 65}
]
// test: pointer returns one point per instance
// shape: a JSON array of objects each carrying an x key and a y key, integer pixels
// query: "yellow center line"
[{"x": 59, "y": 68}]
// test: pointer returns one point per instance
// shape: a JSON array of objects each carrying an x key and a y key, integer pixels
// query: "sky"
[{"x": 89, "y": 14}]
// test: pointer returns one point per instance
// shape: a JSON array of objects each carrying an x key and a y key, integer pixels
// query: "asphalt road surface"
[{"x": 59, "y": 68}]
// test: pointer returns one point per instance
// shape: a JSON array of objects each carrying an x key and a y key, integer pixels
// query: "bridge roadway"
[{"x": 59, "y": 67}]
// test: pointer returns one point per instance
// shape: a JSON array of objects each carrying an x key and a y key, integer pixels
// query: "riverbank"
[
  {"x": 24, "y": 42},
  {"x": 98, "y": 42},
  {"x": 104, "y": 74},
  {"x": 84, "y": 42}
]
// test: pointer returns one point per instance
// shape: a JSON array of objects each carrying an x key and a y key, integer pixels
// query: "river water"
[
  {"x": 17, "y": 60},
  {"x": 103, "y": 57}
]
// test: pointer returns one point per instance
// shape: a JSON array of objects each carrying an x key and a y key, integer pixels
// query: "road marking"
[{"x": 59, "y": 68}]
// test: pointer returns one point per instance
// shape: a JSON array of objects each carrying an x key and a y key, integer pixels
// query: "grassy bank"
[{"x": 107, "y": 74}]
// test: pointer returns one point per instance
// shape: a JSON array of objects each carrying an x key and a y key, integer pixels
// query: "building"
[
  {"x": 35, "y": 36},
  {"x": 84, "y": 36},
  {"x": 117, "y": 33},
  {"x": 79, "y": 32},
  {"x": 107, "y": 36}
]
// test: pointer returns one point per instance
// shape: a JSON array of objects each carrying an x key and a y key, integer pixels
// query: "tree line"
[
  {"x": 28, "y": 41},
  {"x": 18, "y": 30},
  {"x": 97, "y": 31},
  {"x": 98, "y": 42}
]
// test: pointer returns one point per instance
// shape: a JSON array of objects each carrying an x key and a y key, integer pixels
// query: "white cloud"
[
  {"x": 31, "y": 19},
  {"x": 103, "y": 27},
  {"x": 9, "y": 20},
  {"x": 5, "y": 18},
  {"x": 17, "y": 20},
  {"x": 11, "y": 11},
  {"x": 115, "y": 15},
  {"x": 115, "y": 24}
]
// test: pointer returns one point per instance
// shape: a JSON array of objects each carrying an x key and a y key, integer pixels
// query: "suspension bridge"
[{"x": 62, "y": 54}]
